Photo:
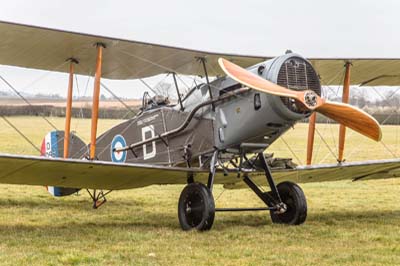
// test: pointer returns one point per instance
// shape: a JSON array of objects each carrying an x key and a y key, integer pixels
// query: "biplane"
[{"x": 217, "y": 133}]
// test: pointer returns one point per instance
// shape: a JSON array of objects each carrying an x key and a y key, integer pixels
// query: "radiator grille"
[{"x": 298, "y": 74}]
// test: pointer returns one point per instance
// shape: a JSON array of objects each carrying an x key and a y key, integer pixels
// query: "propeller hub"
[{"x": 310, "y": 99}]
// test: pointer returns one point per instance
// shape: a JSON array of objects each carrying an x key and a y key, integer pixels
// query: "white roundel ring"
[{"x": 118, "y": 142}]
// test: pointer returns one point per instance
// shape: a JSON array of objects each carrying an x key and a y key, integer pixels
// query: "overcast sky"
[{"x": 340, "y": 28}]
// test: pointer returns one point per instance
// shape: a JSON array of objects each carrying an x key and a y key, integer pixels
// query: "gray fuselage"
[{"x": 245, "y": 116}]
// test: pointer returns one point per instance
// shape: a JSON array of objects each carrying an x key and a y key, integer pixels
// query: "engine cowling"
[{"x": 259, "y": 117}]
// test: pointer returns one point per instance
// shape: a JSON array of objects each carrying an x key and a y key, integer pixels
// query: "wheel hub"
[{"x": 281, "y": 208}]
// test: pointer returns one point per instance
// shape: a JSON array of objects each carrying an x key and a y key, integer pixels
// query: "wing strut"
[
  {"x": 203, "y": 62},
  {"x": 96, "y": 96},
  {"x": 68, "y": 108},
  {"x": 342, "y": 128},
  {"x": 345, "y": 99},
  {"x": 177, "y": 91},
  {"x": 310, "y": 141}
]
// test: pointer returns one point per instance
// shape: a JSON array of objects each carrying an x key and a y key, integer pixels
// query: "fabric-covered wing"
[
  {"x": 35, "y": 170},
  {"x": 47, "y": 49},
  {"x": 332, "y": 172},
  {"x": 364, "y": 71}
]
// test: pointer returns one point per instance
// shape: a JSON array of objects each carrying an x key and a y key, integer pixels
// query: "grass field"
[{"x": 348, "y": 223}]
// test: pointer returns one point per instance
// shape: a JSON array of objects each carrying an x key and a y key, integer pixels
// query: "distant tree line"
[
  {"x": 369, "y": 97},
  {"x": 392, "y": 118},
  {"x": 383, "y": 104},
  {"x": 52, "y": 111}
]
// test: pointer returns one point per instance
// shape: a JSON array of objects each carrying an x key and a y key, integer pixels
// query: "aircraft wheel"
[
  {"x": 196, "y": 209},
  {"x": 293, "y": 196}
]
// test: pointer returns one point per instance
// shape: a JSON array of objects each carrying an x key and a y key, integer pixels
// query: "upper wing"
[
  {"x": 35, "y": 170},
  {"x": 47, "y": 49},
  {"x": 364, "y": 71}
]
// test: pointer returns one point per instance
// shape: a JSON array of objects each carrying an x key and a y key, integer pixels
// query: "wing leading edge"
[{"x": 35, "y": 170}]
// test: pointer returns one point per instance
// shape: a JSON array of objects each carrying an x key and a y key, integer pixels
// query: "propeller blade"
[
  {"x": 353, "y": 118},
  {"x": 345, "y": 114},
  {"x": 308, "y": 98}
]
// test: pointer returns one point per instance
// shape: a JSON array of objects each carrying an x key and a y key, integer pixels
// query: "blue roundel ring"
[{"x": 118, "y": 142}]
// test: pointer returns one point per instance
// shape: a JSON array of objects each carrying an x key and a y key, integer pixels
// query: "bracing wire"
[
  {"x": 148, "y": 86},
  {"x": 326, "y": 144},
  {"x": 385, "y": 99},
  {"x": 25, "y": 100},
  {"x": 290, "y": 149},
  {"x": 20, "y": 133},
  {"x": 118, "y": 98},
  {"x": 47, "y": 73}
]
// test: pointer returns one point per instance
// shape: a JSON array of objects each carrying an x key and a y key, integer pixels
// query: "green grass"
[{"x": 348, "y": 223}]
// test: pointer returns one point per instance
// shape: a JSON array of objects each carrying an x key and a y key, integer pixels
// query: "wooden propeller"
[{"x": 347, "y": 115}]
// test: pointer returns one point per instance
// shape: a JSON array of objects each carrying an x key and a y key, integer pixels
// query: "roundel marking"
[{"x": 118, "y": 142}]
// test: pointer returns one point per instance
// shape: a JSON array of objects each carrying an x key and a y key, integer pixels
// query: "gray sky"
[{"x": 337, "y": 28}]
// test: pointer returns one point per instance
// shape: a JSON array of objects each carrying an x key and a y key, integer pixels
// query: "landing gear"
[
  {"x": 286, "y": 202},
  {"x": 196, "y": 209},
  {"x": 296, "y": 206}
]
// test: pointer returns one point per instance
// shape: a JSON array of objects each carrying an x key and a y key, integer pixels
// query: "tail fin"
[{"x": 52, "y": 146}]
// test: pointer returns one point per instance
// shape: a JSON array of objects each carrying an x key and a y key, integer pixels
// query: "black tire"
[
  {"x": 196, "y": 209},
  {"x": 293, "y": 196}
]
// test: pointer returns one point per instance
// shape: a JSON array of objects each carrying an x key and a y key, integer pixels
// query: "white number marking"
[{"x": 152, "y": 153}]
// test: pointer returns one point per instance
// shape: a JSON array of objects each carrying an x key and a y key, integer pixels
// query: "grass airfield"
[{"x": 348, "y": 223}]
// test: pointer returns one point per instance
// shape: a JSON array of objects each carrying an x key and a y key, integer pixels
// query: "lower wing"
[
  {"x": 365, "y": 170},
  {"x": 35, "y": 170}
]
